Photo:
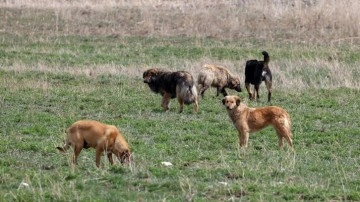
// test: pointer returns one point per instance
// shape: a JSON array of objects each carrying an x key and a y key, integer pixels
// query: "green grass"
[
  {"x": 85, "y": 51},
  {"x": 38, "y": 106}
]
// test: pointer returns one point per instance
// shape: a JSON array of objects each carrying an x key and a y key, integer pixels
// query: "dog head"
[
  {"x": 121, "y": 149},
  {"x": 234, "y": 83},
  {"x": 124, "y": 156},
  {"x": 231, "y": 102},
  {"x": 150, "y": 75}
]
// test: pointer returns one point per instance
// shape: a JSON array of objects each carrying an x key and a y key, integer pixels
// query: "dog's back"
[
  {"x": 89, "y": 133},
  {"x": 213, "y": 75}
]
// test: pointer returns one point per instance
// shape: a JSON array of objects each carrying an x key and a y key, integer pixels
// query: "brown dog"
[
  {"x": 102, "y": 137},
  {"x": 171, "y": 85},
  {"x": 218, "y": 77},
  {"x": 248, "y": 120}
]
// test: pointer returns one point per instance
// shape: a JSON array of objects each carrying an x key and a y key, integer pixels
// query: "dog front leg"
[
  {"x": 223, "y": 91},
  {"x": 165, "y": 101},
  {"x": 218, "y": 91},
  {"x": 247, "y": 86},
  {"x": 243, "y": 137},
  {"x": 110, "y": 157},
  {"x": 98, "y": 157}
]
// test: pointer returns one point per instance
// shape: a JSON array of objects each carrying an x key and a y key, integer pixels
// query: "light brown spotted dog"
[{"x": 218, "y": 77}]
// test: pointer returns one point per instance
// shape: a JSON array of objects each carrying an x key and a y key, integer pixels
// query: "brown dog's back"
[
  {"x": 264, "y": 116},
  {"x": 90, "y": 133}
]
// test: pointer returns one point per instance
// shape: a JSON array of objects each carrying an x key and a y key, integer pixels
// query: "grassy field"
[{"x": 48, "y": 80}]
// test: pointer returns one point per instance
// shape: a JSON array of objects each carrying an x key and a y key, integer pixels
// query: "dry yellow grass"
[
  {"x": 299, "y": 20},
  {"x": 327, "y": 22}
]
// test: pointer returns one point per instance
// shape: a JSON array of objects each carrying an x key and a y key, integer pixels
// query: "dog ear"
[{"x": 238, "y": 100}]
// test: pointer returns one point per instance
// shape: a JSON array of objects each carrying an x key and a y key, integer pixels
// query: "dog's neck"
[{"x": 235, "y": 114}]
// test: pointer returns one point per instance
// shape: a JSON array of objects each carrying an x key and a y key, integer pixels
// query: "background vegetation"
[{"x": 61, "y": 61}]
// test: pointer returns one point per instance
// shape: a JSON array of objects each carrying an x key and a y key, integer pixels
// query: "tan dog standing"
[
  {"x": 101, "y": 137},
  {"x": 218, "y": 77},
  {"x": 248, "y": 120}
]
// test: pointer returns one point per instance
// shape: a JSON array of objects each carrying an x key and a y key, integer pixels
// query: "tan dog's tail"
[
  {"x": 266, "y": 57},
  {"x": 63, "y": 149}
]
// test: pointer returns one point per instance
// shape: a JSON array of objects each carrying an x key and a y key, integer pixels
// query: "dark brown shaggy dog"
[
  {"x": 248, "y": 120},
  {"x": 218, "y": 77},
  {"x": 255, "y": 73},
  {"x": 171, "y": 85},
  {"x": 102, "y": 137}
]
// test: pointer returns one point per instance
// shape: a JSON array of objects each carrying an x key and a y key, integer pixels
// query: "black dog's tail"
[{"x": 266, "y": 57}]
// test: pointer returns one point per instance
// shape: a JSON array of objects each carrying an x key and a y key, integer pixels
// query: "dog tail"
[
  {"x": 63, "y": 149},
  {"x": 266, "y": 57}
]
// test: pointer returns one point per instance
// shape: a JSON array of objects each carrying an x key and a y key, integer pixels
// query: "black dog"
[{"x": 256, "y": 72}]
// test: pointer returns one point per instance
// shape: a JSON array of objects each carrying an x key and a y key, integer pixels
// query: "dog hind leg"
[
  {"x": 181, "y": 102},
  {"x": 165, "y": 101},
  {"x": 256, "y": 93},
  {"x": 284, "y": 133},
  {"x": 281, "y": 141},
  {"x": 268, "y": 84},
  {"x": 202, "y": 89},
  {"x": 247, "y": 86}
]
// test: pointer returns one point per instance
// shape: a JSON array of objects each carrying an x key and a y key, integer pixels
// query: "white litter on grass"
[
  {"x": 165, "y": 163},
  {"x": 223, "y": 183},
  {"x": 24, "y": 184}
]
